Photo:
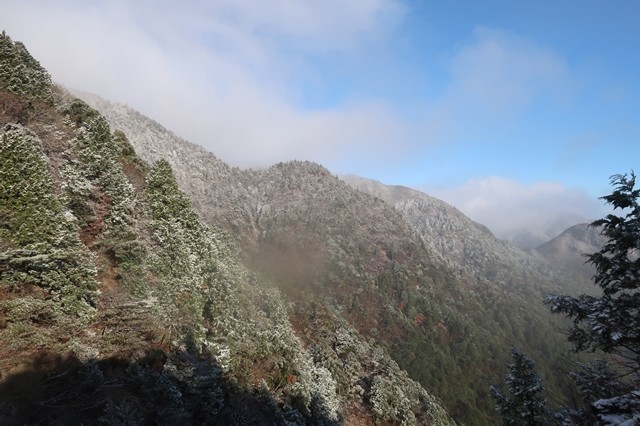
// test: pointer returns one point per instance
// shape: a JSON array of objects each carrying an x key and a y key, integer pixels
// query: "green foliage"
[
  {"x": 219, "y": 344},
  {"x": 189, "y": 390},
  {"x": 599, "y": 380},
  {"x": 203, "y": 294},
  {"x": 98, "y": 156},
  {"x": 611, "y": 322},
  {"x": 80, "y": 113},
  {"x": 31, "y": 215},
  {"x": 21, "y": 74},
  {"x": 449, "y": 324},
  {"x": 167, "y": 201},
  {"x": 185, "y": 256},
  {"x": 40, "y": 241},
  {"x": 126, "y": 150},
  {"x": 362, "y": 373},
  {"x": 78, "y": 192},
  {"x": 523, "y": 405}
]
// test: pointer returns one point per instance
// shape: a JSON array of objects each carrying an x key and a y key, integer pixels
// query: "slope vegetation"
[
  {"x": 119, "y": 305},
  {"x": 439, "y": 292}
]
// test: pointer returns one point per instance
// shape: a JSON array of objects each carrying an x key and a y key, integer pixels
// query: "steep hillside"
[
  {"x": 438, "y": 291},
  {"x": 538, "y": 234},
  {"x": 468, "y": 246},
  {"x": 118, "y": 305},
  {"x": 568, "y": 250},
  {"x": 511, "y": 282}
]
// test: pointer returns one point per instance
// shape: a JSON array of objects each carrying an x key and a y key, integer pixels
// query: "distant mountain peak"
[{"x": 569, "y": 249}]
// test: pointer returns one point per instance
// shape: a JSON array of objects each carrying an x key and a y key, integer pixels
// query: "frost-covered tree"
[
  {"x": 21, "y": 74},
  {"x": 39, "y": 244},
  {"x": 611, "y": 322},
  {"x": 523, "y": 405}
]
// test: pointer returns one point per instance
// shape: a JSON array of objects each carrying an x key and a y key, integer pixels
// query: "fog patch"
[{"x": 526, "y": 214}]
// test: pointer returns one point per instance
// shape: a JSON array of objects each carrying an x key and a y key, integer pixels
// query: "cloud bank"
[
  {"x": 527, "y": 214},
  {"x": 497, "y": 72},
  {"x": 218, "y": 73}
]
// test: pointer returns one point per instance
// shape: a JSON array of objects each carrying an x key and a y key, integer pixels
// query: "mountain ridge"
[
  {"x": 408, "y": 292},
  {"x": 570, "y": 249},
  {"x": 459, "y": 240},
  {"x": 118, "y": 301}
]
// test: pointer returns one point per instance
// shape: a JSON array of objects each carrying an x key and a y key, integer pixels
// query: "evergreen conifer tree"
[
  {"x": 611, "y": 322},
  {"x": 21, "y": 74},
  {"x": 523, "y": 405}
]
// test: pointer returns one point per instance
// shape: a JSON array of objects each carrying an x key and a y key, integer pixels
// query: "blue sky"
[{"x": 515, "y": 112}]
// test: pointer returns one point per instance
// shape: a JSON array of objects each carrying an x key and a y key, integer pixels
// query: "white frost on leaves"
[{"x": 621, "y": 410}]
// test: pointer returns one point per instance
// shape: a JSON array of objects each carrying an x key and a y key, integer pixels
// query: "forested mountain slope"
[
  {"x": 472, "y": 249},
  {"x": 439, "y": 292},
  {"x": 118, "y": 305}
]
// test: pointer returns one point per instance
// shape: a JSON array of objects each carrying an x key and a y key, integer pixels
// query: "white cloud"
[
  {"x": 494, "y": 80},
  {"x": 498, "y": 72},
  {"x": 226, "y": 74},
  {"x": 329, "y": 24},
  {"x": 219, "y": 73},
  {"x": 527, "y": 213}
]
